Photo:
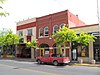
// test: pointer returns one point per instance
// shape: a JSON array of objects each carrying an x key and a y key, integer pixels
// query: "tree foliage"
[
  {"x": 8, "y": 39},
  {"x": 65, "y": 35},
  {"x": 3, "y": 13},
  {"x": 32, "y": 44},
  {"x": 85, "y": 38}
]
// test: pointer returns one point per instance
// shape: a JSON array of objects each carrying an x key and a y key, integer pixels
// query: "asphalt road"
[{"x": 12, "y": 67}]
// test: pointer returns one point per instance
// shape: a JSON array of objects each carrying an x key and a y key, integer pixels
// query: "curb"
[{"x": 88, "y": 65}]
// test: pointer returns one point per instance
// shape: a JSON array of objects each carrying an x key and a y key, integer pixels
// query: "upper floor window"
[
  {"x": 46, "y": 31},
  {"x": 55, "y": 28},
  {"x": 61, "y": 25},
  {"x": 29, "y": 31},
  {"x": 20, "y": 33},
  {"x": 40, "y": 32}
]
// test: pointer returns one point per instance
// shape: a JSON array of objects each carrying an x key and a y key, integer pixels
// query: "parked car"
[{"x": 54, "y": 59}]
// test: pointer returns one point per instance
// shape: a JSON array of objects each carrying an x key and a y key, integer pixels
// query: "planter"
[{"x": 5, "y": 56}]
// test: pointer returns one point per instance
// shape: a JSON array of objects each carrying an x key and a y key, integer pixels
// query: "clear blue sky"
[{"x": 23, "y": 9}]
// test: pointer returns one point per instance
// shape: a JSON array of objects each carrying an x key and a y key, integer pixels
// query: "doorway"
[
  {"x": 97, "y": 54},
  {"x": 74, "y": 54}
]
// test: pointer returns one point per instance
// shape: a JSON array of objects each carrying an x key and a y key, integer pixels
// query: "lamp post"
[{"x": 98, "y": 19}]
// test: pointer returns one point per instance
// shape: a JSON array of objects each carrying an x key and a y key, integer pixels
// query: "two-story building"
[
  {"x": 42, "y": 28},
  {"x": 47, "y": 25},
  {"x": 26, "y": 29}
]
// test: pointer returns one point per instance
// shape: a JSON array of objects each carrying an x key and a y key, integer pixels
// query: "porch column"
[
  {"x": 91, "y": 52},
  {"x": 50, "y": 50},
  {"x": 32, "y": 53}
]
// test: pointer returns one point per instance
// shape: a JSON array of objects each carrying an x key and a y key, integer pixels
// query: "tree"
[
  {"x": 84, "y": 39},
  {"x": 32, "y": 44},
  {"x": 3, "y": 13},
  {"x": 65, "y": 35},
  {"x": 9, "y": 40}
]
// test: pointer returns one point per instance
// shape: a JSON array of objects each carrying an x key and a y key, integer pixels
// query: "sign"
[{"x": 46, "y": 52}]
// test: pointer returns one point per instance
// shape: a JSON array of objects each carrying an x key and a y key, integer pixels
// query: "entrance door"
[
  {"x": 97, "y": 54},
  {"x": 41, "y": 51},
  {"x": 74, "y": 55}
]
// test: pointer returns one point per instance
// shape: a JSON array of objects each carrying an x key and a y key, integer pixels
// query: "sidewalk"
[
  {"x": 85, "y": 64},
  {"x": 18, "y": 59}
]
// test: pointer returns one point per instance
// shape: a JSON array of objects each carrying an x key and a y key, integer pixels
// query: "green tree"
[
  {"x": 84, "y": 39},
  {"x": 3, "y": 33},
  {"x": 3, "y": 13},
  {"x": 11, "y": 40},
  {"x": 8, "y": 39},
  {"x": 65, "y": 35},
  {"x": 32, "y": 44}
]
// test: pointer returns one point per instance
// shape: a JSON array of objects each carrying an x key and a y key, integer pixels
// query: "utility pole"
[{"x": 98, "y": 19}]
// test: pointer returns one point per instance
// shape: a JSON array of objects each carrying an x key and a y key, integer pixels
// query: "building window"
[
  {"x": 20, "y": 33},
  {"x": 61, "y": 25},
  {"x": 29, "y": 31},
  {"x": 46, "y": 31},
  {"x": 55, "y": 28},
  {"x": 40, "y": 32}
]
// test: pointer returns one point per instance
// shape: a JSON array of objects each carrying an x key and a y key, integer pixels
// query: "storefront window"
[{"x": 83, "y": 51}]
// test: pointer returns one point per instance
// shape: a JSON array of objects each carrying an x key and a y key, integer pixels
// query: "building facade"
[
  {"x": 92, "y": 52},
  {"x": 47, "y": 25},
  {"x": 27, "y": 31},
  {"x": 42, "y": 28}
]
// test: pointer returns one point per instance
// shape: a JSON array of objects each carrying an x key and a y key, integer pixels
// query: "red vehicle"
[{"x": 55, "y": 59}]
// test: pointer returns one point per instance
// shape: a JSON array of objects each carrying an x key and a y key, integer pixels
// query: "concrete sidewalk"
[{"x": 85, "y": 64}]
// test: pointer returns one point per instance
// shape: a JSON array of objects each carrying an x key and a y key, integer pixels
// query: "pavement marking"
[
  {"x": 30, "y": 70},
  {"x": 40, "y": 71}
]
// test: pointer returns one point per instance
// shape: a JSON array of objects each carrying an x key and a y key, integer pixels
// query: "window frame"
[
  {"x": 20, "y": 33},
  {"x": 40, "y": 30},
  {"x": 61, "y": 25},
  {"x": 45, "y": 31},
  {"x": 54, "y": 28},
  {"x": 28, "y": 32}
]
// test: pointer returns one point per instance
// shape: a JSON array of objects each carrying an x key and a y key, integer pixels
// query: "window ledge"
[{"x": 43, "y": 36}]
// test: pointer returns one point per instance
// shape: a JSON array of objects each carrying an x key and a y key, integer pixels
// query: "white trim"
[
  {"x": 26, "y": 21},
  {"x": 39, "y": 32}
]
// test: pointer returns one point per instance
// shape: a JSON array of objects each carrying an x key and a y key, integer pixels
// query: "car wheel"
[
  {"x": 55, "y": 63},
  {"x": 39, "y": 61}
]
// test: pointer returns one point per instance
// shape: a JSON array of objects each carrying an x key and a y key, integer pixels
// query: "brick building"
[{"x": 42, "y": 28}]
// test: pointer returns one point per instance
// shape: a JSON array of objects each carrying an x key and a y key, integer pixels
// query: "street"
[{"x": 12, "y": 67}]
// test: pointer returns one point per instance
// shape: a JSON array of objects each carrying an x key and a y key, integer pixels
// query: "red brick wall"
[
  {"x": 74, "y": 20},
  {"x": 50, "y": 21},
  {"x": 25, "y": 26}
]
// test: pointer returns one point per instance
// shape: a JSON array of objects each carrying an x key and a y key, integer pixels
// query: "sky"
[{"x": 20, "y": 10}]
